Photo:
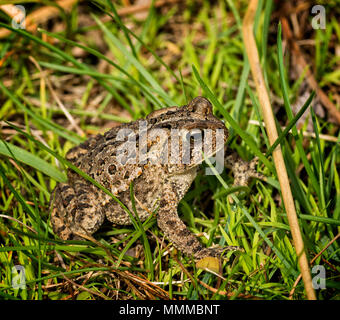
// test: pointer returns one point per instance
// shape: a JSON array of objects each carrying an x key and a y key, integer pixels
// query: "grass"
[{"x": 148, "y": 68}]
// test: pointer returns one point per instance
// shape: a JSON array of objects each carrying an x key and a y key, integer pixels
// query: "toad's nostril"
[{"x": 201, "y": 105}]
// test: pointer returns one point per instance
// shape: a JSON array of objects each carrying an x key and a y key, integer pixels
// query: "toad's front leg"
[
  {"x": 177, "y": 232},
  {"x": 242, "y": 170}
]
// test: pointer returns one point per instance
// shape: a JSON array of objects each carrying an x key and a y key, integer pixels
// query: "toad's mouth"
[{"x": 207, "y": 124}]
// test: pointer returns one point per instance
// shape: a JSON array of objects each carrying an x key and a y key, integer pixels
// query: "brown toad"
[{"x": 160, "y": 156}]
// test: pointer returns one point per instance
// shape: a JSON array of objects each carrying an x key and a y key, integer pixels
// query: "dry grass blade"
[
  {"x": 85, "y": 289},
  {"x": 267, "y": 112},
  {"x": 56, "y": 98},
  {"x": 146, "y": 284},
  {"x": 18, "y": 221}
]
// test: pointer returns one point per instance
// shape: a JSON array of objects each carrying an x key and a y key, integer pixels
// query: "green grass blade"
[
  {"x": 241, "y": 87},
  {"x": 27, "y": 208},
  {"x": 139, "y": 227},
  {"x": 120, "y": 23},
  {"x": 44, "y": 122},
  {"x": 66, "y": 69},
  {"x": 266, "y": 23},
  {"x": 149, "y": 93},
  {"x": 255, "y": 224},
  {"x": 67, "y": 57},
  {"x": 289, "y": 112},
  {"x": 321, "y": 162},
  {"x": 127, "y": 30},
  {"x": 133, "y": 61},
  {"x": 291, "y": 124},
  {"x": 9, "y": 150},
  {"x": 335, "y": 222}
]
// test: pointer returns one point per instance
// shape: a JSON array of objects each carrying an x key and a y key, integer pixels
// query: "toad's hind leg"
[{"x": 75, "y": 210}]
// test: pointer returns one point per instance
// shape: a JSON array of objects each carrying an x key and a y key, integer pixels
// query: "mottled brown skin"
[{"x": 79, "y": 207}]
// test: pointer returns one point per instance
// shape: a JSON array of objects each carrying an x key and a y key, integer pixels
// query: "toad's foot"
[
  {"x": 242, "y": 170},
  {"x": 215, "y": 252}
]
